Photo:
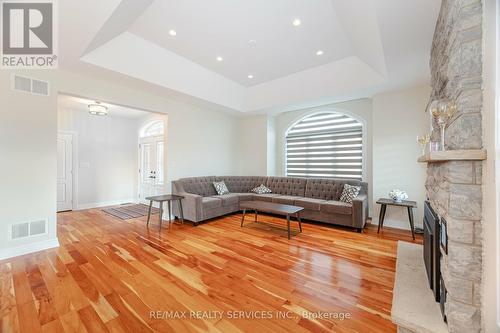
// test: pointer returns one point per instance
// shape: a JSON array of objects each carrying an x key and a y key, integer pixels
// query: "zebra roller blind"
[{"x": 328, "y": 145}]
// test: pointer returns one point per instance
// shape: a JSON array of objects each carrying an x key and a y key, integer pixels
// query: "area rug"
[{"x": 130, "y": 211}]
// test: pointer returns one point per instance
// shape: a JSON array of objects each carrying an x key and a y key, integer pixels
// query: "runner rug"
[{"x": 130, "y": 211}]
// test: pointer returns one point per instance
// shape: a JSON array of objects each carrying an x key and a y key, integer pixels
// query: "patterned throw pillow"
[
  {"x": 349, "y": 192},
  {"x": 221, "y": 188},
  {"x": 261, "y": 190}
]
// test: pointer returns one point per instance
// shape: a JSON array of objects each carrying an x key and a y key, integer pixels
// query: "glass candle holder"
[{"x": 423, "y": 140}]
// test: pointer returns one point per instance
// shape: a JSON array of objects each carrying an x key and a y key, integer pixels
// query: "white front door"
[
  {"x": 64, "y": 172},
  {"x": 151, "y": 157}
]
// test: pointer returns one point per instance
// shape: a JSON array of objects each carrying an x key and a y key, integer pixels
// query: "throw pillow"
[
  {"x": 261, "y": 190},
  {"x": 221, "y": 188},
  {"x": 349, "y": 192}
]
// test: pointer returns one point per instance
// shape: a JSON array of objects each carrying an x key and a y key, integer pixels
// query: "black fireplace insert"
[{"x": 432, "y": 253}]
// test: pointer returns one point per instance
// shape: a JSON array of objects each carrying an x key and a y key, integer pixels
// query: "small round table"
[
  {"x": 383, "y": 206},
  {"x": 168, "y": 198}
]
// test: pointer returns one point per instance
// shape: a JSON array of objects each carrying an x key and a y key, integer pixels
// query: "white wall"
[
  {"x": 398, "y": 118},
  {"x": 252, "y": 140},
  {"x": 256, "y": 145},
  {"x": 200, "y": 142},
  {"x": 107, "y": 153},
  {"x": 271, "y": 146},
  {"x": 491, "y": 167},
  {"x": 27, "y": 165}
]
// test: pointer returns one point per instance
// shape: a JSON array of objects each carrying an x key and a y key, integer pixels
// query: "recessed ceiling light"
[
  {"x": 296, "y": 22},
  {"x": 319, "y": 52},
  {"x": 172, "y": 32},
  {"x": 252, "y": 42},
  {"x": 219, "y": 58},
  {"x": 250, "y": 76}
]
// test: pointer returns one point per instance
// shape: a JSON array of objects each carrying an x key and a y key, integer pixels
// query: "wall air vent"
[
  {"x": 40, "y": 87},
  {"x": 38, "y": 227},
  {"x": 20, "y": 230},
  {"x": 28, "y": 229},
  {"x": 29, "y": 85}
]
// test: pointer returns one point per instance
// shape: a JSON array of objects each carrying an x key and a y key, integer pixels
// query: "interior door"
[
  {"x": 64, "y": 172},
  {"x": 151, "y": 168}
]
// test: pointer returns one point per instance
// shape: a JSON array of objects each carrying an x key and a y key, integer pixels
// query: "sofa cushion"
[
  {"x": 285, "y": 199},
  {"x": 350, "y": 192},
  {"x": 242, "y": 184},
  {"x": 265, "y": 197},
  {"x": 337, "y": 207},
  {"x": 287, "y": 185},
  {"x": 261, "y": 189},
  {"x": 228, "y": 199},
  {"x": 211, "y": 202},
  {"x": 221, "y": 188},
  {"x": 245, "y": 196},
  {"x": 309, "y": 203}
]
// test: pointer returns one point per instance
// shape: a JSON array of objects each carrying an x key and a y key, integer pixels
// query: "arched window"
[
  {"x": 325, "y": 145},
  {"x": 152, "y": 129}
]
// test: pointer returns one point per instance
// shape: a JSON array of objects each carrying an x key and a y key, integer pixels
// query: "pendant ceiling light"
[{"x": 98, "y": 109}]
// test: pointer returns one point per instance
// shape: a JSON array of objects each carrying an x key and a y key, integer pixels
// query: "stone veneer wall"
[{"x": 454, "y": 188}]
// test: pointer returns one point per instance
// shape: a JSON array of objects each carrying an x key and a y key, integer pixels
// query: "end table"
[
  {"x": 383, "y": 202},
  {"x": 161, "y": 199}
]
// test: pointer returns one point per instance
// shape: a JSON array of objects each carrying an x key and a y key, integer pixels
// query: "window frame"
[
  {"x": 145, "y": 130},
  {"x": 327, "y": 111}
]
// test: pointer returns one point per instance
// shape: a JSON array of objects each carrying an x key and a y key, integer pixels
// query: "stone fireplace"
[{"x": 454, "y": 186}]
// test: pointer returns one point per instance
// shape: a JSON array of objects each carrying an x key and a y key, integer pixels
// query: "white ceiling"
[
  {"x": 207, "y": 29},
  {"x": 81, "y": 104},
  {"x": 369, "y": 46}
]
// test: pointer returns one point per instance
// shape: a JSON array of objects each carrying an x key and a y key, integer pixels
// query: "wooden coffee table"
[{"x": 272, "y": 208}]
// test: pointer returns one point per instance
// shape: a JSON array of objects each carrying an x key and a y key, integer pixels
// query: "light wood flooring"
[{"x": 111, "y": 275}]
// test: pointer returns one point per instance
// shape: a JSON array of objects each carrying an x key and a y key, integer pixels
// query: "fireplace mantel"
[{"x": 453, "y": 155}]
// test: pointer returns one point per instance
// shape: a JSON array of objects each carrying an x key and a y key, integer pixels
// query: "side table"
[
  {"x": 165, "y": 198},
  {"x": 383, "y": 202}
]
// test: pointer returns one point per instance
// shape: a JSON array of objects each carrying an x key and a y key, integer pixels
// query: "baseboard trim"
[
  {"x": 105, "y": 203},
  {"x": 28, "y": 248},
  {"x": 396, "y": 224}
]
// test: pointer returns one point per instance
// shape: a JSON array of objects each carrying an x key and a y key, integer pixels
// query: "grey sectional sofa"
[{"x": 319, "y": 197}]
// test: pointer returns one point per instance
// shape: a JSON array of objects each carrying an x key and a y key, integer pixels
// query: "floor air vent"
[
  {"x": 29, "y": 85},
  {"x": 28, "y": 229}
]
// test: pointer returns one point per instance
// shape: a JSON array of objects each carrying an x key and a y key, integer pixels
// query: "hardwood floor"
[{"x": 111, "y": 275}]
